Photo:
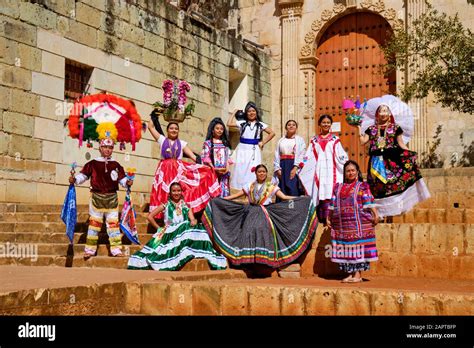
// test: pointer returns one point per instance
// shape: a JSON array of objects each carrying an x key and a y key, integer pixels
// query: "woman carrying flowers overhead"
[
  {"x": 199, "y": 182},
  {"x": 393, "y": 175}
]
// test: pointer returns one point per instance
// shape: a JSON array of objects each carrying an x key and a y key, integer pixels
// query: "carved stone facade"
[{"x": 313, "y": 18}]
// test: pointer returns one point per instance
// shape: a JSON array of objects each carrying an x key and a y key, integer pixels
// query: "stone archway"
[{"x": 307, "y": 56}]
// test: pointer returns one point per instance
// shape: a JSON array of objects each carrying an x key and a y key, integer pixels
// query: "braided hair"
[{"x": 210, "y": 136}]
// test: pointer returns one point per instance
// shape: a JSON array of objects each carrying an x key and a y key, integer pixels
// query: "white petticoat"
[{"x": 403, "y": 202}]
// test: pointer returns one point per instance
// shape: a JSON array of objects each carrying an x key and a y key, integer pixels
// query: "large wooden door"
[{"x": 349, "y": 65}]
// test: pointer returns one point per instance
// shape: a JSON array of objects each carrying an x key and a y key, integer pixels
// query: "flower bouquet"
[
  {"x": 174, "y": 100},
  {"x": 353, "y": 111}
]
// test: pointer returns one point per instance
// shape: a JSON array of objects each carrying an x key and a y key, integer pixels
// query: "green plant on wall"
[
  {"x": 446, "y": 49},
  {"x": 467, "y": 156},
  {"x": 431, "y": 159}
]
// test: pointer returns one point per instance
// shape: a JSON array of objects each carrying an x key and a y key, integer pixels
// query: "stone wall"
[
  {"x": 132, "y": 47},
  {"x": 260, "y": 21}
]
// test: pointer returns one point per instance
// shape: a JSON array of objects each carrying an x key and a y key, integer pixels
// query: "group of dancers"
[{"x": 310, "y": 184}]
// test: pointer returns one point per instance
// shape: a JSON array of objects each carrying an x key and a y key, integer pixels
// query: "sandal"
[
  {"x": 347, "y": 280},
  {"x": 355, "y": 280},
  {"x": 87, "y": 256}
]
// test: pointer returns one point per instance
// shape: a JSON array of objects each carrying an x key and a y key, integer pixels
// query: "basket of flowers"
[
  {"x": 353, "y": 110},
  {"x": 174, "y": 108}
]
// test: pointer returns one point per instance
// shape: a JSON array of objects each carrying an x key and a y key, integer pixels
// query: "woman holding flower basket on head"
[
  {"x": 393, "y": 175},
  {"x": 199, "y": 182}
]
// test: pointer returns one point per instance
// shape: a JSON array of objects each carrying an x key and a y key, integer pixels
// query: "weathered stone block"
[
  {"x": 82, "y": 33},
  {"x": 109, "y": 43},
  {"x": 385, "y": 303},
  {"x": 20, "y": 191},
  {"x": 421, "y": 215},
  {"x": 132, "y": 52},
  {"x": 454, "y": 215},
  {"x": 18, "y": 123},
  {"x": 37, "y": 15},
  {"x": 133, "y": 34},
  {"x": 133, "y": 297},
  {"x": 437, "y": 216},
  {"x": 468, "y": 216},
  {"x": 48, "y": 129},
  {"x": 52, "y": 64},
  {"x": 320, "y": 302},
  {"x": 352, "y": 302},
  {"x": 17, "y": 31},
  {"x": 24, "y": 147},
  {"x": 264, "y": 300},
  {"x": 421, "y": 238},
  {"x": 155, "y": 299},
  {"x": 5, "y": 96},
  {"x": 434, "y": 266},
  {"x": 455, "y": 238},
  {"x": 181, "y": 299},
  {"x": 409, "y": 265},
  {"x": 14, "y": 76},
  {"x": 458, "y": 305},
  {"x": 293, "y": 301},
  {"x": 155, "y": 61},
  {"x": 402, "y": 238},
  {"x": 438, "y": 239},
  {"x": 234, "y": 300},
  {"x": 416, "y": 303},
  {"x": 206, "y": 300},
  {"x": 47, "y": 85},
  {"x": 24, "y": 102},
  {"x": 409, "y": 217},
  {"x": 4, "y": 142},
  {"x": 131, "y": 70},
  {"x": 89, "y": 15},
  {"x": 190, "y": 58},
  {"x": 384, "y": 236},
  {"x": 10, "y": 8},
  {"x": 388, "y": 263},
  {"x": 469, "y": 239}
]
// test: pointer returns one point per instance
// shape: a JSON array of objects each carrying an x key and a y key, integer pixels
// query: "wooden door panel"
[{"x": 349, "y": 60}]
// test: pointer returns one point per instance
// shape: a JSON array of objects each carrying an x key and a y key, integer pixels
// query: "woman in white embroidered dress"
[{"x": 323, "y": 167}]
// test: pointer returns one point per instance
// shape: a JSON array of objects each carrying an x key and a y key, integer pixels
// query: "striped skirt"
[
  {"x": 274, "y": 235},
  {"x": 179, "y": 244}
]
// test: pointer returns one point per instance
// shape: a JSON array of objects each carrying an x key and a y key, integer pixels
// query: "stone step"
[
  {"x": 53, "y": 217},
  {"x": 60, "y": 237},
  {"x": 436, "y": 215},
  {"x": 306, "y": 296},
  {"x": 77, "y": 249},
  {"x": 40, "y": 227},
  {"x": 100, "y": 261},
  {"x": 227, "y": 293},
  {"x": 47, "y": 208},
  {"x": 408, "y": 250},
  {"x": 463, "y": 199}
]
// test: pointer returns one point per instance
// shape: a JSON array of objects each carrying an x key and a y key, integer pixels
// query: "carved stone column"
[
  {"x": 414, "y": 9},
  {"x": 308, "y": 71},
  {"x": 290, "y": 17}
]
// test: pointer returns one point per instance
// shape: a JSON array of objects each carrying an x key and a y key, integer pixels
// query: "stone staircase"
[
  {"x": 433, "y": 240},
  {"x": 37, "y": 233}
]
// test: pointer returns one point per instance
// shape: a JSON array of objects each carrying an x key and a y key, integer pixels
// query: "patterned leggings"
[{"x": 113, "y": 230}]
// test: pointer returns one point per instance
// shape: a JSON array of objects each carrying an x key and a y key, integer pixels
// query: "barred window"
[{"x": 77, "y": 79}]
